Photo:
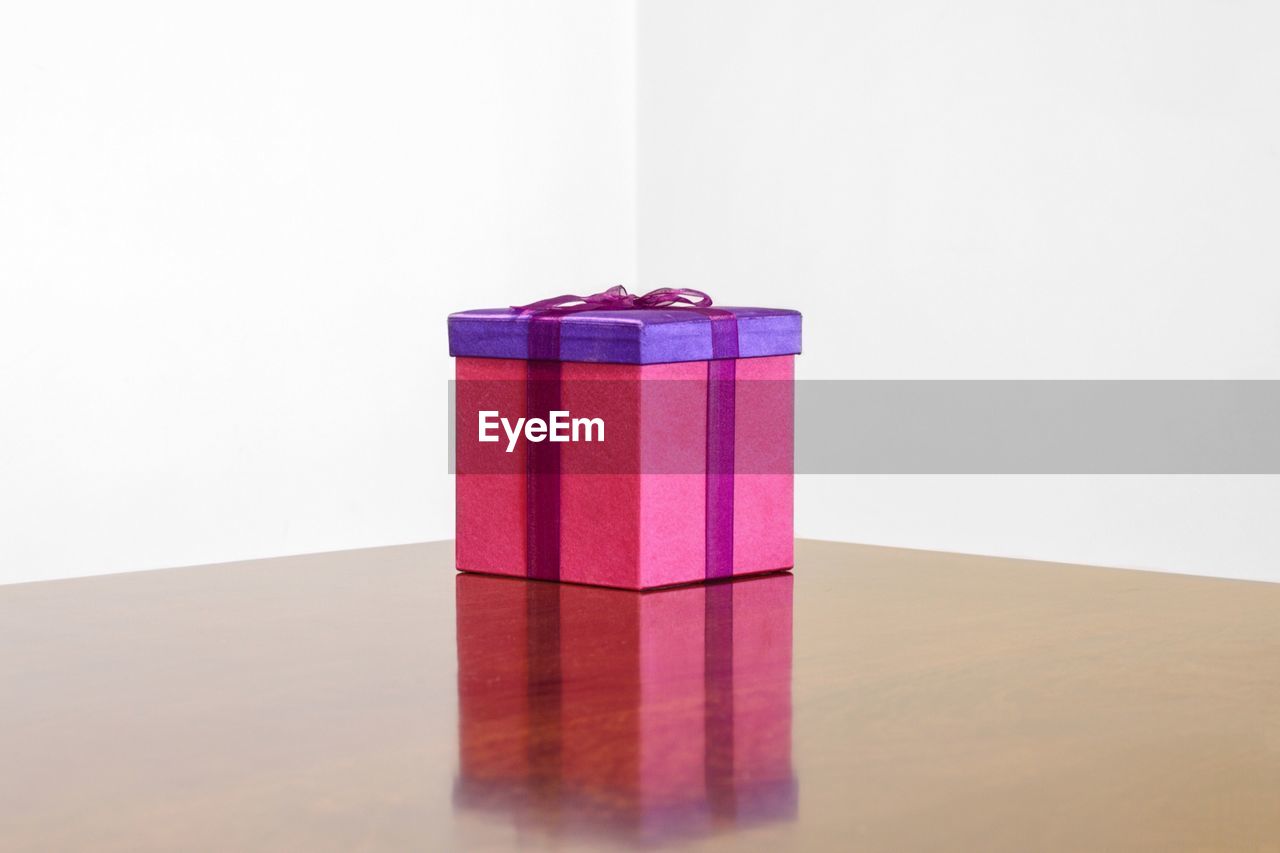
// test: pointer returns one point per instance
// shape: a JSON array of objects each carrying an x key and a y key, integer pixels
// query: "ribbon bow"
[{"x": 616, "y": 298}]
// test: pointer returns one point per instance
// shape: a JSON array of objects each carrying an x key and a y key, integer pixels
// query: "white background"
[
  {"x": 1085, "y": 190},
  {"x": 229, "y": 238}
]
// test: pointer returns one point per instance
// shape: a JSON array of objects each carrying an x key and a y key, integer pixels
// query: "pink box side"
[
  {"x": 490, "y": 508},
  {"x": 764, "y": 439},
  {"x": 673, "y": 505},
  {"x": 633, "y": 530},
  {"x": 600, "y": 513}
]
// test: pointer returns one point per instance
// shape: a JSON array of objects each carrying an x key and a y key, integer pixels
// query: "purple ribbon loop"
[
  {"x": 542, "y": 517},
  {"x": 617, "y": 298}
]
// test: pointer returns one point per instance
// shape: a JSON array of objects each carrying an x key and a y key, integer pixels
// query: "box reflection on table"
[{"x": 659, "y": 714}]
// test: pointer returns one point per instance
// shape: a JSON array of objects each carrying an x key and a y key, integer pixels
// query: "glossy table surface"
[{"x": 876, "y": 699}]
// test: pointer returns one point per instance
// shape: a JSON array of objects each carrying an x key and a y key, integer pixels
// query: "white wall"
[
  {"x": 229, "y": 235},
  {"x": 986, "y": 190},
  {"x": 228, "y": 239}
]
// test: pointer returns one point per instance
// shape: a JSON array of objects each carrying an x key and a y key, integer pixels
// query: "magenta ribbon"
[{"x": 542, "y": 515}]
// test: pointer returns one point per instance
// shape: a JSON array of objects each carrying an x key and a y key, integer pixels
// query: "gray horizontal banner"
[
  {"x": 1038, "y": 427},
  {"x": 988, "y": 427}
]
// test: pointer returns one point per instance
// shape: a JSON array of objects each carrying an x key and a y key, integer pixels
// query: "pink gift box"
[
  {"x": 656, "y": 717},
  {"x": 682, "y": 470}
]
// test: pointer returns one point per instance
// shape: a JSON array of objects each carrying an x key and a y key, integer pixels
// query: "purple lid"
[{"x": 631, "y": 336}]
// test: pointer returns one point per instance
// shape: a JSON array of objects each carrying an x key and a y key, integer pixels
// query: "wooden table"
[{"x": 879, "y": 699}]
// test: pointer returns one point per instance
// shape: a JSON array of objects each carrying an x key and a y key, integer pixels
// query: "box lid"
[{"x": 635, "y": 335}]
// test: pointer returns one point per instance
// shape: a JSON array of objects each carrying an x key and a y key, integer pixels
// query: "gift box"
[
  {"x": 624, "y": 441},
  {"x": 651, "y": 717}
]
